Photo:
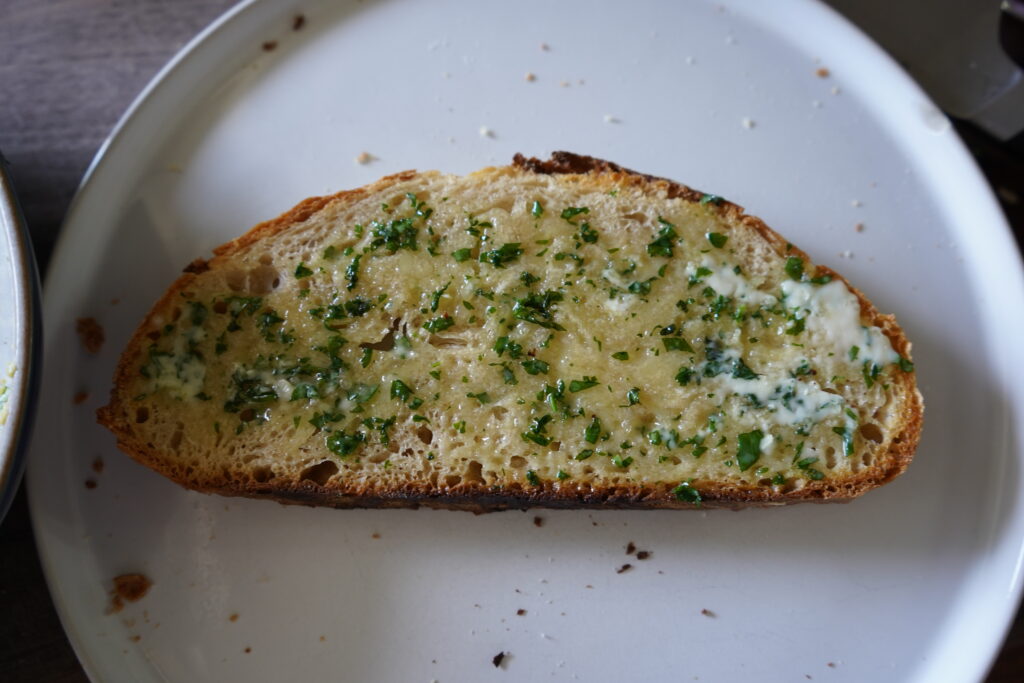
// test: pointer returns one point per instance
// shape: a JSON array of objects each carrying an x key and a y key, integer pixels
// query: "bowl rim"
[{"x": 23, "y": 387}]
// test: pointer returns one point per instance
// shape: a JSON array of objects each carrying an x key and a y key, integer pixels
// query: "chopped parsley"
[
  {"x": 717, "y": 239},
  {"x": 662, "y": 246},
  {"x": 749, "y": 449},
  {"x": 582, "y": 384},
  {"x": 302, "y": 271},
  {"x": 502, "y": 256}
]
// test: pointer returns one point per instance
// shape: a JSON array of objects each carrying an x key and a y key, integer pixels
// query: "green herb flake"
[
  {"x": 717, "y": 239},
  {"x": 461, "y": 255},
  {"x": 352, "y": 273},
  {"x": 592, "y": 431},
  {"x": 439, "y": 324},
  {"x": 535, "y": 366},
  {"x": 854, "y": 351},
  {"x": 400, "y": 390},
  {"x": 344, "y": 444},
  {"x": 502, "y": 256},
  {"x": 795, "y": 268},
  {"x": 482, "y": 397},
  {"x": 532, "y": 477},
  {"x": 562, "y": 475},
  {"x": 573, "y": 211},
  {"x": 711, "y": 199},
  {"x": 687, "y": 493},
  {"x": 621, "y": 355},
  {"x": 619, "y": 461},
  {"x": 536, "y": 209},
  {"x": 662, "y": 245},
  {"x": 749, "y": 449},
  {"x": 905, "y": 364},
  {"x": 435, "y": 298},
  {"x": 587, "y": 382},
  {"x": 584, "y": 454},
  {"x": 633, "y": 396},
  {"x": 847, "y": 437},
  {"x": 676, "y": 344}
]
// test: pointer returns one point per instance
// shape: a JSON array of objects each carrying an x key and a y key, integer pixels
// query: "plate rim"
[{"x": 138, "y": 109}]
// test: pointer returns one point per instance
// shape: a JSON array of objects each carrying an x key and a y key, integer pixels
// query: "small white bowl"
[{"x": 20, "y": 340}]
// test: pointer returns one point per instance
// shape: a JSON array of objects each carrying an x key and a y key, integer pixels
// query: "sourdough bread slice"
[{"x": 561, "y": 333}]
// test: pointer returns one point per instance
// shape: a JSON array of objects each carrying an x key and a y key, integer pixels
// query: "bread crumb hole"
[
  {"x": 443, "y": 342},
  {"x": 235, "y": 280},
  {"x": 499, "y": 412},
  {"x": 424, "y": 434},
  {"x": 141, "y": 414},
  {"x": 175, "y": 441},
  {"x": 474, "y": 472},
  {"x": 452, "y": 480},
  {"x": 319, "y": 474},
  {"x": 262, "y": 474},
  {"x": 871, "y": 432},
  {"x": 517, "y": 461},
  {"x": 263, "y": 279}
]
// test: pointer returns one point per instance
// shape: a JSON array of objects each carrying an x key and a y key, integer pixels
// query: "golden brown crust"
[{"x": 478, "y": 498}]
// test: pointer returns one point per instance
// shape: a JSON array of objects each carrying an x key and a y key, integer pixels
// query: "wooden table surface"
[{"x": 68, "y": 69}]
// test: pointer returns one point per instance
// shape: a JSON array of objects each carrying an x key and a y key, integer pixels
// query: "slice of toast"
[{"x": 563, "y": 333}]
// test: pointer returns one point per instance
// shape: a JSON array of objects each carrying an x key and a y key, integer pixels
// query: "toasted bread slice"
[{"x": 562, "y": 333}]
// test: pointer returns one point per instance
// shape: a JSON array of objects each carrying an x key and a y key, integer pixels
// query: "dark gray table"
[{"x": 68, "y": 69}]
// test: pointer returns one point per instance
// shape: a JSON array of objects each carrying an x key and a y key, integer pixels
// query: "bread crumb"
[
  {"x": 816, "y": 104},
  {"x": 545, "y": 47},
  {"x": 365, "y": 158},
  {"x": 486, "y": 132},
  {"x": 298, "y": 22},
  {"x": 1008, "y": 195},
  {"x": 128, "y": 588},
  {"x": 822, "y": 73},
  {"x": 530, "y": 76},
  {"x": 136, "y": 638},
  {"x": 831, "y": 665},
  {"x": 643, "y": 554},
  {"x": 323, "y": 639},
  {"x": 835, "y": 90},
  {"x": 80, "y": 397},
  {"x": 730, "y": 40},
  {"x": 608, "y": 118},
  {"x": 520, "y": 612},
  {"x": 690, "y": 60},
  {"x": 856, "y": 203},
  {"x": 233, "y": 617},
  {"x": 90, "y": 484},
  {"x": 247, "y": 650},
  {"x": 747, "y": 123},
  {"x": 708, "y": 613},
  {"x": 859, "y": 227},
  {"x": 538, "y": 521},
  {"x": 270, "y": 46},
  {"x": 589, "y": 586},
  {"x": 97, "y": 465},
  {"x": 564, "y": 84},
  {"x": 91, "y": 334},
  {"x": 847, "y": 254},
  {"x": 623, "y": 569},
  {"x": 498, "y": 659},
  {"x": 630, "y": 548}
]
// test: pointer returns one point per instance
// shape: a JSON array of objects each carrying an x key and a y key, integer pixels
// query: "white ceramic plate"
[{"x": 916, "y": 581}]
